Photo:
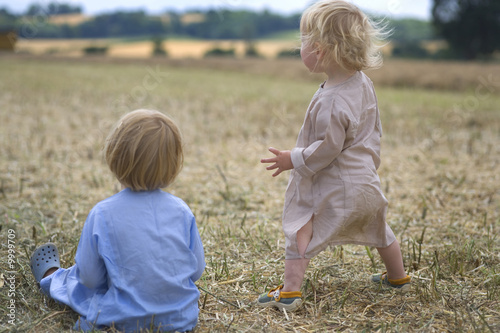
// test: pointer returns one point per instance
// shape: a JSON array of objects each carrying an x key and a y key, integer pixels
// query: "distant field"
[
  {"x": 75, "y": 19},
  {"x": 440, "y": 75},
  {"x": 177, "y": 48},
  {"x": 440, "y": 172},
  {"x": 69, "y": 19}
]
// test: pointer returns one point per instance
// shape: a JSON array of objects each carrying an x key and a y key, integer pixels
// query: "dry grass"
[
  {"x": 440, "y": 172},
  {"x": 472, "y": 78}
]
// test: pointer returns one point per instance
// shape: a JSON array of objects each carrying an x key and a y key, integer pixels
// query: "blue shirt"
[{"x": 136, "y": 263}]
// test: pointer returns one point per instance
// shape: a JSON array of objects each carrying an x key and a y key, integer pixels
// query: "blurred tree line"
[
  {"x": 220, "y": 24},
  {"x": 53, "y": 8},
  {"x": 471, "y": 28}
]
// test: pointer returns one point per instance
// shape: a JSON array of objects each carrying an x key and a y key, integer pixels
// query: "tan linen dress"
[{"x": 335, "y": 176}]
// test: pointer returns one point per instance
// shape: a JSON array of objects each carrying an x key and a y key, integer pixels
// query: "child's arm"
[
  {"x": 319, "y": 154},
  {"x": 197, "y": 247},
  {"x": 282, "y": 161},
  {"x": 91, "y": 269}
]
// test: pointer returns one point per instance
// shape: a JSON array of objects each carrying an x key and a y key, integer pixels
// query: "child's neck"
[{"x": 337, "y": 75}]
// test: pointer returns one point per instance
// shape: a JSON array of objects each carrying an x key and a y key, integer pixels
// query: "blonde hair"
[
  {"x": 144, "y": 150},
  {"x": 343, "y": 33}
]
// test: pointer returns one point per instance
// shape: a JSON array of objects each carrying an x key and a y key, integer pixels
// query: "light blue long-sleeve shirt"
[{"x": 136, "y": 263}]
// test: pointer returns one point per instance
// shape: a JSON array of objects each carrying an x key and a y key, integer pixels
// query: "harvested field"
[{"x": 440, "y": 173}]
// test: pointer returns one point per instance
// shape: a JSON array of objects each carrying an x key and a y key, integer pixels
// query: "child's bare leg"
[
  {"x": 393, "y": 260},
  {"x": 296, "y": 268}
]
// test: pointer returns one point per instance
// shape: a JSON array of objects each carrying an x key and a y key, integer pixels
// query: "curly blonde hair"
[
  {"x": 144, "y": 150},
  {"x": 343, "y": 33}
]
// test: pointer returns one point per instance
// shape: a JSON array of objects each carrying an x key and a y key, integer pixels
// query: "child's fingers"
[
  {"x": 274, "y": 151},
  {"x": 272, "y": 159},
  {"x": 272, "y": 167},
  {"x": 269, "y": 160}
]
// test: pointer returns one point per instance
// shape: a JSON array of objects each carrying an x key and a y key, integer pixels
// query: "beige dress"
[{"x": 335, "y": 176}]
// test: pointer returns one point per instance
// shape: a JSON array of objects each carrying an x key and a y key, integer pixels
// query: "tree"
[
  {"x": 53, "y": 8},
  {"x": 7, "y": 20},
  {"x": 158, "y": 47},
  {"x": 410, "y": 30},
  {"x": 471, "y": 27}
]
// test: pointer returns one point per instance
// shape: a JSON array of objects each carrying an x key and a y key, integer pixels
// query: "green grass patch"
[{"x": 288, "y": 35}]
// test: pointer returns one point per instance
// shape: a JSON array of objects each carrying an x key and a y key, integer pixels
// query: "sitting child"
[{"x": 140, "y": 251}]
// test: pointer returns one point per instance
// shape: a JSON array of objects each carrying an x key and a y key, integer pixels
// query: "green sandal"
[
  {"x": 402, "y": 285},
  {"x": 288, "y": 300}
]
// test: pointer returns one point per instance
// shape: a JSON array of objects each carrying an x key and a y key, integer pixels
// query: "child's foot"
[
  {"x": 44, "y": 261},
  {"x": 402, "y": 285},
  {"x": 290, "y": 300}
]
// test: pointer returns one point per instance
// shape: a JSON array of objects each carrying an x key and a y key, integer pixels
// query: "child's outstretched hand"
[{"x": 282, "y": 161}]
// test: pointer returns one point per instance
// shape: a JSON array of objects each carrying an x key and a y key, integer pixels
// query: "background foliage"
[
  {"x": 209, "y": 24},
  {"x": 471, "y": 27}
]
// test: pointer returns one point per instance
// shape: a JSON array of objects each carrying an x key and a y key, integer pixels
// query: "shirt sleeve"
[
  {"x": 196, "y": 247},
  {"x": 90, "y": 265},
  {"x": 307, "y": 161}
]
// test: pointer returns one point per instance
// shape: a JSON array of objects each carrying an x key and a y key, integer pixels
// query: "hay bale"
[{"x": 8, "y": 40}]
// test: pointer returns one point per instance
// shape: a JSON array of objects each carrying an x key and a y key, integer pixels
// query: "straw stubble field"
[{"x": 440, "y": 173}]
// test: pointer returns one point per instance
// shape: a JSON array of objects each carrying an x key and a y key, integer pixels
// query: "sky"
[{"x": 391, "y": 8}]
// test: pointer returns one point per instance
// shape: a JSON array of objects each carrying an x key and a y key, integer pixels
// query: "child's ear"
[{"x": 320, "y": 53}]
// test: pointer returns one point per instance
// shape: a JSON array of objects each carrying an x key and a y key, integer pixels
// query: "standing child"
[
  {"x": 140, "y": 251},
  {"x": 333, "y": 195}
]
